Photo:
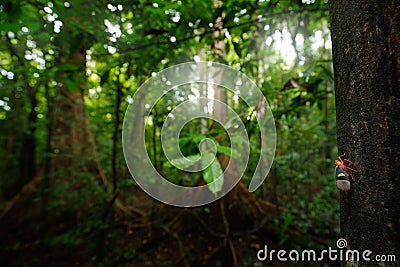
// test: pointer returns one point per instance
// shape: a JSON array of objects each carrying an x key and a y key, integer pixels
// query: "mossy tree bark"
[{"x": 366, "y": 59}]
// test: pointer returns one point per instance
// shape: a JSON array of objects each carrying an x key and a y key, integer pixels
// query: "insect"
[{"x": 343, "y": 172}]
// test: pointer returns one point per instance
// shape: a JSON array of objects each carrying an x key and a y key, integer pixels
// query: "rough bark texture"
[
  {"x": 72, "y": 141},
  {"x": 366, "y": 58}
]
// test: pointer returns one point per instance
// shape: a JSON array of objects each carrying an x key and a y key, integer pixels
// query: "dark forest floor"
[{"x": 153, "y": 235}]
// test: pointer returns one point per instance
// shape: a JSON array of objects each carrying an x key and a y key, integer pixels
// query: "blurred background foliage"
[{"x": 99, "y": 53}]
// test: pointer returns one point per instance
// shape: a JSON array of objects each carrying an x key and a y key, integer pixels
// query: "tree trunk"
[
  {"x": 219, "y": 53},
  {"x": 74, "y": 164},
  {"x": 28, "y": 150},
  {"x": 72, "y": 141},
  {"x": 366, "y": 58}
]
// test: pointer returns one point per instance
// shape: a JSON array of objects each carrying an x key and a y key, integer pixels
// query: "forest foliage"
[{"x": 103, "y": 51}]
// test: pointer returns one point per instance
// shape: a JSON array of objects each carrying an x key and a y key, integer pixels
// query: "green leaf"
[
  {"x": 198, "y": 138},
  {"x": 238, "y": 49},
  {"x": 212, "y": 174},
  {"x": 184, "y": 163},
  {"x": 207, "y": 159},
  {"x": 228, "y": 151},
  {"x": 195, "y": 138},
  {"x": 104, "y": 77}
]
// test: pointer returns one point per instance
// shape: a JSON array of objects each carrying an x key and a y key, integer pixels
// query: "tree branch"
[{"x": 211, "y": 30}]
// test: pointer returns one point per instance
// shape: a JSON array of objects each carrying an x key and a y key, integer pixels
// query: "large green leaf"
[{"x": 213, "y": 175}]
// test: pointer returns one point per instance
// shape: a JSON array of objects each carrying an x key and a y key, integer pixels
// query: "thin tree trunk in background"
[
  {"x": 366, "y": 57},
  {"x": 261, "y": 105},
  {"x": 27, "y": 157},
  {"x": 138, "y": 123},
  {"x": 48, "y": 151},
  {"x": 219, "y": 54},
  {"x": 221, "y": 112},
  {"x": 218, "y": 49},
  {"x": 154, "y": 139},
  {"x": 117, "y": 123},
  {"x": 240, "y": 193},
  {"x": 203, "y": 123}
]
